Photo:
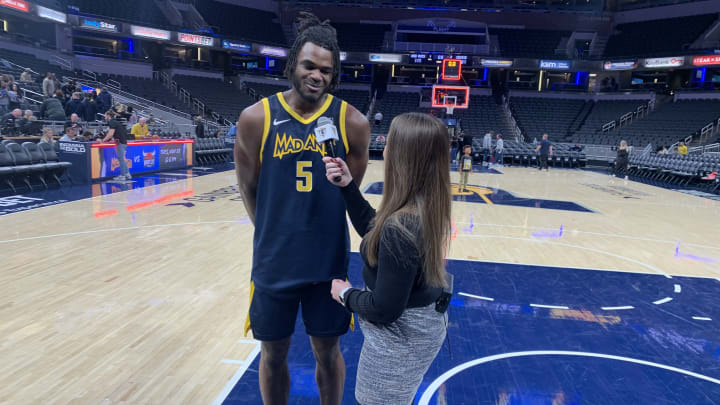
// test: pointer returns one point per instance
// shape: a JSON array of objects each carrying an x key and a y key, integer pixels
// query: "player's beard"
[{"x": 311, "y": 98}]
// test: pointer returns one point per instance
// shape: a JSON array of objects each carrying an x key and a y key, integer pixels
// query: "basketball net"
[{"x": 450, "y": 102}]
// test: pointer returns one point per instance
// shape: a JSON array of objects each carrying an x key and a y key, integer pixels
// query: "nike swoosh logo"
[{"x": 276, "y": 122}]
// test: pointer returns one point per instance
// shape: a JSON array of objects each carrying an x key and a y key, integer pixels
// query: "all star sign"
[
  {"x": 195, "y": 39},
  {"x": 674, "y": 61},
  {"x": 20, "y": 5}
]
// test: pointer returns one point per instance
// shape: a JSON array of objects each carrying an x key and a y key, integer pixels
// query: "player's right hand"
[{"x": 337, "y": 168}]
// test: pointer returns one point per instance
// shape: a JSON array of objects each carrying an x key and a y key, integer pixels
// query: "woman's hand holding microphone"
[{"x": 336, "y": 167}]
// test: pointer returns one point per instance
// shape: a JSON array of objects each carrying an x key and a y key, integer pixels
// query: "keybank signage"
[
  {"x": 98, "y": 25},
  {"x": 555, "y": 64},
  {"x": 675, "y": 61}
]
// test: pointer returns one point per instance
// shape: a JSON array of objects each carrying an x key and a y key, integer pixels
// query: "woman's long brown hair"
[{"x": 417, "y": 182}]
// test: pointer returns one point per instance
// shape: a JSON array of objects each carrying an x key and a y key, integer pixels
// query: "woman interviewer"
[{"x": 403, "y": 250}]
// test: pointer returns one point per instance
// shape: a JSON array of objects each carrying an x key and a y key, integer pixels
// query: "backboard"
[{"x": 450, "y": 97}]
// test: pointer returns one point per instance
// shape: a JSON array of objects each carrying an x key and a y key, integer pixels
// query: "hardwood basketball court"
[{"x": 139, "y": 296}]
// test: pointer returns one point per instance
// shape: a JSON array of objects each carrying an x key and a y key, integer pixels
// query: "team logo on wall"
[
  {"x": 492, "y": 196},
  {"x": 149, "y": 159}
]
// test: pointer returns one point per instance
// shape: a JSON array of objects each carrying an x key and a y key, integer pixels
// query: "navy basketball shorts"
[{"x": 273, "y": 314}]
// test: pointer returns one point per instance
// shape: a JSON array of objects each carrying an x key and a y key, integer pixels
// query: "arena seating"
[
  {"x": 242, "y": 22},
  {"x": 218, "y": 96},
  {"x": 536, "y": 116},
  {"x": 666, "y": 125},
  {"x": 601, "y": 113},
  {"x": 359, "y": 99},
  {"x": 361, "y": 37},
  {"x": 266, "y": 90},
  {"x": 141, "y": 11},
  {"x": 27, "y": 161},
  {"x": 211, "y": 151},
  {"x": 149, "y": 89},
  {"x": 30, "y": 61},
  {"x": 528, "y": 43},
  {"x": 676, "y": 170},
  {"x": 394, "y": 103},
  {"x": 484, "y": 115},
  {"x": 658, "y": 37},
  {"x": 524, "y": 154},
  {"x": 377, "y": 144}
]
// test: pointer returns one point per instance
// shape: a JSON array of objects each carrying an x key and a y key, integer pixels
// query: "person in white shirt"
[
  {"x": 499, "y": 148},
  {"x": 487, "y": 146},
  {"x": 69, "y": 135},
  {"x": 378, "y": 118}
]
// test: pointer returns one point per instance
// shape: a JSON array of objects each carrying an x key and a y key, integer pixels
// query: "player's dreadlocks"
[{"x": 320, "y": 33}]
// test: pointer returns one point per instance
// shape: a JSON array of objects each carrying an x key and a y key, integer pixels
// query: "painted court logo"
[
  {"x": 490, "y": 196},
  {"x": 286, "y": 145}
]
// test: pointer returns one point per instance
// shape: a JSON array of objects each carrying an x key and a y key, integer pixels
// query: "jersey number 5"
[{"x": 304, "y": 176}]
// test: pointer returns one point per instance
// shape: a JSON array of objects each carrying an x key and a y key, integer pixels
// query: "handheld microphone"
[{"x": 326, "y": 133}]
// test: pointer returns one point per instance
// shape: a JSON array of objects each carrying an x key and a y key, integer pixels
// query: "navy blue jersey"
[{"x": 301, "y": 234}]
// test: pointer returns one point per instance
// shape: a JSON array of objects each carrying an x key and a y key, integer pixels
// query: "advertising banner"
[
  {"x": 19, "y": 5},
  {"x": 674, "y": 61},
  {"x": 147, "y": 32},
  {"x": 51, "y": 14},
  {"x": 195, "y": 39}
]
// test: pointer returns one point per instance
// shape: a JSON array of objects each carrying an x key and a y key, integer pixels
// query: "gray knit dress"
[{"x": 396, "y": 356}]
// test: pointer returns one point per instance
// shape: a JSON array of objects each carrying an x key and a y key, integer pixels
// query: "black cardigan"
[{"x": 397, "y": 282}]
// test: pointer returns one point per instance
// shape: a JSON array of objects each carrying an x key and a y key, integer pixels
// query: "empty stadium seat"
[{"x": 536, "y": 116}]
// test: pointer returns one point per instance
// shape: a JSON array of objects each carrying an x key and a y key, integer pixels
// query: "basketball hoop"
[{"x": 450, "y": 97}]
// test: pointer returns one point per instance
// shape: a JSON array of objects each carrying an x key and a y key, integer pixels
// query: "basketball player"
[{"x": 301, "y": 238}]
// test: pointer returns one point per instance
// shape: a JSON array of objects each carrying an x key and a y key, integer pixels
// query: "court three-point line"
[
  {"x": 617, "y": 308},
  {"x": 549, "y": 306},
  {"x": 480, "y": 297}
]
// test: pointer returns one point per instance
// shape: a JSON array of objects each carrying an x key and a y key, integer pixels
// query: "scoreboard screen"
[
  {"x": 451, "y": 69},
  {"x": 430, "y": 58}
]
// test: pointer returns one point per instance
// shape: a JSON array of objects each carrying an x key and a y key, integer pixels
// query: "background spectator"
[
  {"x": 52, "y": 108},
  {"x": 621, "y": 162},
  {"x": 199, "y": 127},
  {"x": 26, "y": 77},
  {"x": 140, "y": 130},
  {"x": 682, "y": 149},
  {"x": 74, "y": 105},
  {"x": 90, "y": 108},
  {"x": 75, "y": 123},
  {"x": 69, "y": 135},
  {"x": 48, "y": 86},
  {"x": 4, "y": 96},
  {"x": 17, "y": 97},
  {"x": 104, "y": 100},
  {"x": 47, "y": 136},
  {"x": 9, "y": 121}
]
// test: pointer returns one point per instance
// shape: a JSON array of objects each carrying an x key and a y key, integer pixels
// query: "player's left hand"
[{"x": 337, "y": 287}]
